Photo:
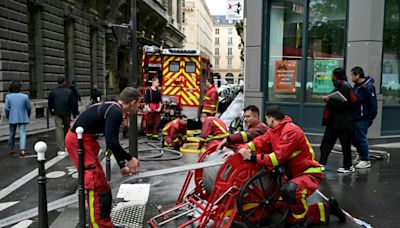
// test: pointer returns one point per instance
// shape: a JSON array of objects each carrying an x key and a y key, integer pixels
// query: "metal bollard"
[
  {"x": 48, "y": 117},
  {"x": 40, "y": 148},
  {"x": 108, "y": 154},
  {"x": 81, "y": 178}
]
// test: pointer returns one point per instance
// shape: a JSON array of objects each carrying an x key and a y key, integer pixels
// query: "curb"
[{"x": 29, "y": 133}]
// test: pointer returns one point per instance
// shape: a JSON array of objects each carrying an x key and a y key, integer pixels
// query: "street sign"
[{"x": 235, "y": 9}]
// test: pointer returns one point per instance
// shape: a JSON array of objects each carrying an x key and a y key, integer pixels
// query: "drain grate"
[{"x": 129, "y": 214}]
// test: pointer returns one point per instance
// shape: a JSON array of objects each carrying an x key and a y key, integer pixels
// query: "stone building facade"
[{"x": 41, "y": 40}]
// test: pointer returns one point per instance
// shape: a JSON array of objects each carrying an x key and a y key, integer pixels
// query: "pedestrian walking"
[
  {"x": 76, "y": 98},
  {"x": 102, "y": 118},
  {"x": 95, "y": 95},
  {"x": 152, "y": 100},
  {"x": 60, "y": 106},
  {"x": 18, "y": 110},
  {"x": 285, "y": 145},
  {"x": 338, "y": 122},
  {"x": 364, "y": 111}
]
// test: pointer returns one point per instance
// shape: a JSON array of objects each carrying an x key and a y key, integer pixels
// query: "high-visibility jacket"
[
  {"x": 174, "y": 133},
  {"x": 213, "y": 128},
  {"x": 245, "y": 136},
  {"x": 210, "y": 104},
  {"x": 285, "y": 144}
]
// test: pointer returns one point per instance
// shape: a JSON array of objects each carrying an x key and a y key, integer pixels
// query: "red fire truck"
[{"x": 182, "y": 74}]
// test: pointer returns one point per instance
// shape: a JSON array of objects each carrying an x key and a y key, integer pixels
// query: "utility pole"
[{"x": 133, "y": 131}]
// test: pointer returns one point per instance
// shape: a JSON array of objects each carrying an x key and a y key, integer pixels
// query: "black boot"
[{"x": 334, "y": 209}]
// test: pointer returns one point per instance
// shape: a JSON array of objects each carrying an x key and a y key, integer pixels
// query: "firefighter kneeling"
[
  {"x": 175, "y": 132},
  {"x": 284, "y": 144}
]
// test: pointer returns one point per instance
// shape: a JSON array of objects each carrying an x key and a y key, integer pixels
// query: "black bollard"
[
  {"x": 81, "y": 179},
  {"x": 48, "y": 117},
  {"x": 108, "y": 164},
  {"x": 40, "y": 148}
]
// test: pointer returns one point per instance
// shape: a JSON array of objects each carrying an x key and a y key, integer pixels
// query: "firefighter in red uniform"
[
  {"x": 102, "y": 118},
  {"x": 152, "y": 100},
  {"x": 284, "y": 143},
  {"x": 210, "y": 100},
  {"x": 212, "y": 132},
  {"x": 253, "y": 128},
  {"x": 175, "y": 132}
]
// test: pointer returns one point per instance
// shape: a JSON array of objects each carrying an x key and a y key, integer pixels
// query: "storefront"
[{"x": 302, "y": 41}]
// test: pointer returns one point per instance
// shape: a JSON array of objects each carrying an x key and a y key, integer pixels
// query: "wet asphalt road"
[{"x": 372, "y": 195}]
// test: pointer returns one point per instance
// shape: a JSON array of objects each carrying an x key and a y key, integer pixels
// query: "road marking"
[
  {"x": 55, "y": 174},
  {"x": 23, "y": 180},
  {"x": 6, "y": 205},
  {"x": 23, "y": 224}
]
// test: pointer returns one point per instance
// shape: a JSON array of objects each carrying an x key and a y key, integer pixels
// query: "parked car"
[{"x": 223, "y": 103}]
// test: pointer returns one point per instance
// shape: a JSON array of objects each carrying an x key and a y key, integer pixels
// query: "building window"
[
  {"x": 216, "y": 62},
  {"x": 217, "y": 51},
  {"x": 391, "y": 55},
  {"x": 183, "y": 18},
  {"x": 217, "y": 31},
  {"x": 229, "y": 51},
  {"x": 230, "y": 31},
  {"x": 216, "y": 40},
  {"x": 229, "y": 62},
  {"x": 326, "y": 46},
  {"x": 229, "y": 40},
  {"x": 325, "y": 49}
]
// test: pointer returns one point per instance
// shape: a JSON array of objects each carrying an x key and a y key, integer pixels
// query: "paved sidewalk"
[{"x": 34, "y": 127}]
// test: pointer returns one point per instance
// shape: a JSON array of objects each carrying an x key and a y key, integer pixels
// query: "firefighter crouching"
[
  {"x": 210, "y": 100},
  {"x": 152, "y": 99},
  {"x": 175, "y": 132},
  {"x": 253, "y": 128},
  {"x": 213, "y": 132},
  {"x": 102, "y": 118},
  {"x": 284, "y": 144}
]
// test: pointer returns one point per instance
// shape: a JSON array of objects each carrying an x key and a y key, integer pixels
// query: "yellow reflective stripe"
[
  {"x": 304, "y": 202},
  {"x": 321, "y": 212},
  {"x": 207, "y": 98},
  {"x": 219, "y": 126},
  {"x": 176, "y": 140},
  {"x": 219, "y": 136},
  {"x": 295, "y": 154},
  {"x": 313, "y": 170},
  {"x": 213, "y": 106},
  {"x": 274, "y": 160},
  {"x": 91, "y": 209},
  {"x": 206, "y": 110},
  {"x": 202, "y": 139},
  {"x": 310, "y": 149},
  {"x": 244, "y": 136},
  {"x": 166, "y": 127},
  {"x": 251, "y": 146}
]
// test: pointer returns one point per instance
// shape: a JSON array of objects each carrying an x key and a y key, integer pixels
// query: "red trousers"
[
  {"x": 307, "y": 184},
  {"x": 99, "y": 197},
  {"x": 153, "y": 122},
  {"x": 212, "y": 145}
]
